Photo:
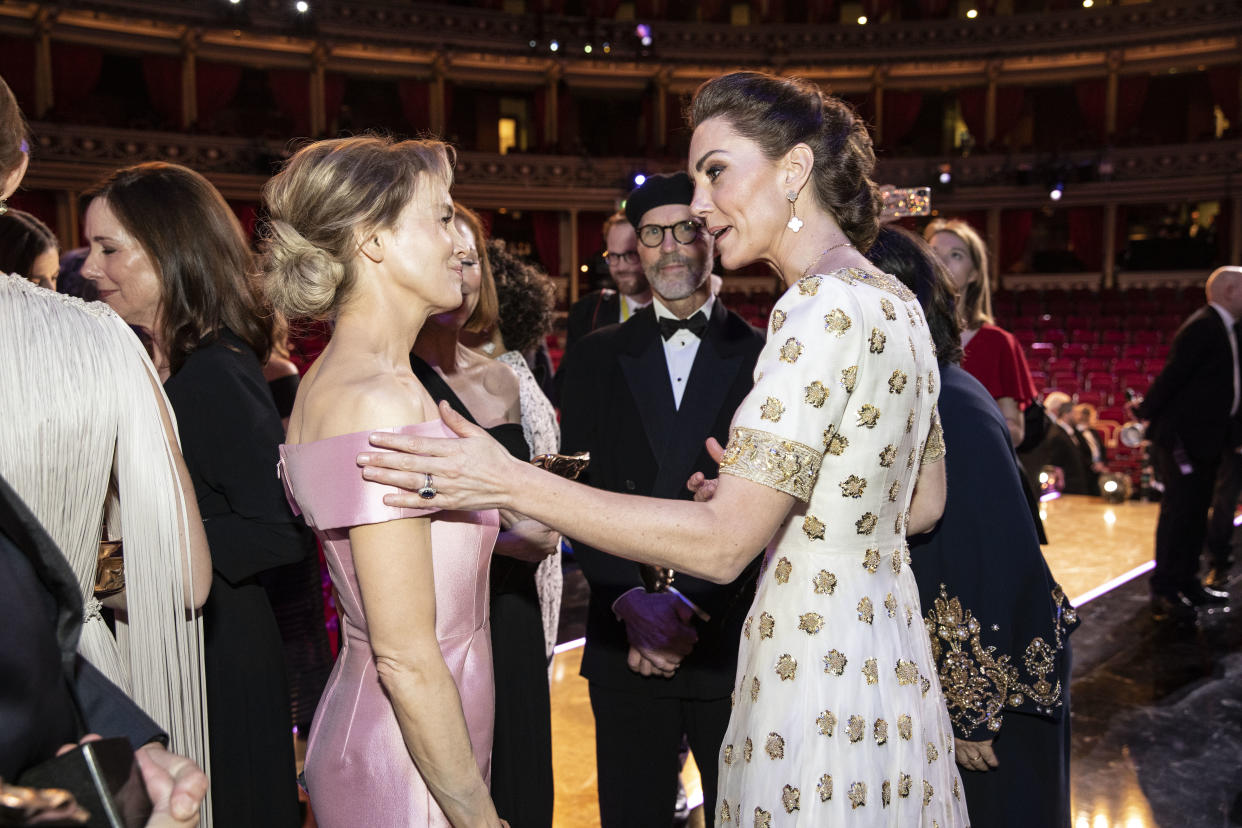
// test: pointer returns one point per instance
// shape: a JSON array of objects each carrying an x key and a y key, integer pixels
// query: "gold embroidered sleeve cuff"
[
  {"x": 933, "y": 449},
  {"x": 784, "y": 465}
]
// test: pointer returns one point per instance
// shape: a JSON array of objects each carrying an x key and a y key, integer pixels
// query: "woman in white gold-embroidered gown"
[{"x": 838, "y": 716}]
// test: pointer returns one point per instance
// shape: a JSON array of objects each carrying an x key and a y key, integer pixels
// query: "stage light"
[
  {"x": 555, "y": 46},
  {"x": 533, "y": 44},
  {"x": 639, "y": 179},
  {"x": 972, "y": 14},
  {"x": 1057, "y": 191},
  {"x": 302, "y": 6},
  {"x": 1115, "y": 487},
  {"x": 584, "y": 268},
  {"x": 607, "y": 47},
  {"x": 235, "y": 2},
  {"x": 642, "y": 30},
  {"x": 587, "y": 48},
  {"x": 1051, "y": 482},
  {"x": 1086, "y": 4},
  {"x": 862, "y": 21},
  {"x": 945, "y": 177},
  {"x": 646, "y": 41}
]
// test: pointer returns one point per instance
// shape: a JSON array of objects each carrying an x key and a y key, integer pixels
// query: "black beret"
[{"x": 656, "y": 191}]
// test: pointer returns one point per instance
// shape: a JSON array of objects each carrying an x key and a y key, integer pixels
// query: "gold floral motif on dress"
[
  {"x": 825, "y": 582},
  {"x": 866, "y": 613},
  {"x": 882, "y": 281},
  {"x": 816, "y": 394},
  {"x": 933, "y": 449},
  {"x": 766, "y": 625},
  {"x": 866, "y": 524},
  {"x": 811, "y": 622},
  {"x": 877, "y": 340},
  {"x": 890, "y": 313},
  {"x": 824, "y": 788},
  {"x": 772, "y": 409},
  {"x": 849, "y": 377},
  {"x": 871, "y": 560},
  {"x": 868, "y": 416},
  {"x": 858, "y": 795},
  {"x": 813, "y": 527},
  {"x": 786, "y": 667},
  {"x": 880, "y": 732},
  {"x": 835, "y": 443},
  {"x": 897, "y": 558},
  {"x": 727, "y": 754},
  {"x": 897, "y": 525},
  {"x": 855, "y": 728},
  {"x": 791, "y": 350},
  {"x": 886, "y": 793},
  {"x": 837, "y": 322},
  {"x": 763, "y": 819},
  {"x": 887, "y": 455},
  {"x": 809, "y": 285},
  {"x": 978, "y": 682},
  {"x": 892, "y": 492},
  {"x": 913, "y": 353},
  {"x": 910, "y": 461},
  {"x": 904, "y": 783},
  {"x": 890, "y": 605},
  {"x": 853, "y": 486},
  {"x": 905, "y": 728},
  {"x": 907, "y": 672},
  {"x": 897, "y": 382},
  {"x": 918, "y": 386},
  {"x": 826, "y": 723},
  {"x": 725, "y": 814},
  {"x": 834, "y": 662},
  {"x": 775, "y": 746},
  {"x": 957, "y": 790},
  {"x": 909, "y": 422},
  {"x": 932, "y": 753},
  {"x": 748, "y": 749},
  {"x": 769, "y": 460},
  {"x": 931, "y": 382},
  {"x": 746, "y": 626},
  {"x": 778, "y": 319},
  {"x": 870, "y": 671},
  {"x": 782, "y": 570},
  {"x": 928, "y": 793},
  {"x": 754, "y": 689},
  {"x": 789, "y": 798}
]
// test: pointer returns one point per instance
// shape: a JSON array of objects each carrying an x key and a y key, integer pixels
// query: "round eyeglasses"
[
  {"x": 684, "y": 232},
  {"x": 629, "y": 257}
]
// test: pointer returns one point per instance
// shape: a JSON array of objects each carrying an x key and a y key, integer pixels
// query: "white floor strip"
[
  {"x": 568, "y": 645},
  {"x": 1092, "y": 594}
]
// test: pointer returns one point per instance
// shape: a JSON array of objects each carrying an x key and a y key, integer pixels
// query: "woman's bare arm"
[
  {"x": 927, "y": 505},
  {"x": 1013, "y": 419}
]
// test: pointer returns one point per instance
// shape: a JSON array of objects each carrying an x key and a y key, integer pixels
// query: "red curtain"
[
  {"x": 333, "y": 97},
  {"x": 547, "y": 227},
  {"x": 1093, "y": 98},
  {"x": 17, "y": 60},
  {"x": 934, "y": 8},
  {"x": 974, "y": 105},
  {"x": 821, "y": 11},
  {"x": 247, "y": 213},
  {"x": 1131, "y": 94},
  {"x": 75, "y": 71},
  {"x": 1224, "y": 82},
  {"x": 566, "y": 115},
  {"x": 1086, "y": 236},
  {"x": 39, "y": 203},
  {"x": 215, "y": 84},
  {"x": 875, "y": 9},
  {"x": 415, "y": 103},
  {"x": 1015, "y": 233},
  {"x": 163, "y": 77},
  {"x": 291, "y": 89},
  {"x": 901, "y": 110},
  {"x": 540, "y": 110}
]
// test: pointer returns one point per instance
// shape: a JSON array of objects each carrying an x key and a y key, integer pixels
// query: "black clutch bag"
[{"x": 103, "y": 777}]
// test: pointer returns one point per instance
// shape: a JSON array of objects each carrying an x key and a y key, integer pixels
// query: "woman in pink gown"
[{"x": 362, "y": 233}]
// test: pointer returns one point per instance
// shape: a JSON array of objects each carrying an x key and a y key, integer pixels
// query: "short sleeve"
[
  {"x": 994, "y": 357},
  {"x": 803, "y": 380}
]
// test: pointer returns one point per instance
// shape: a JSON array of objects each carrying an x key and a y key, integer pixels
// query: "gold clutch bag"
[
  {"x": 568, "y": 466},
  {"x": 109, "y": 569}
]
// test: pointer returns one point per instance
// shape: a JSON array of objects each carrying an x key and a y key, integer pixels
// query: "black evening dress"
[
  {"x": 522, "y": 742},
  {"x": 229, "y": 433},
  {"x": 999, "y": 623}
]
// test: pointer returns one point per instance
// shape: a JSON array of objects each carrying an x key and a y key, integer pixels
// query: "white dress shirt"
[{"x": 680, "y": 348}]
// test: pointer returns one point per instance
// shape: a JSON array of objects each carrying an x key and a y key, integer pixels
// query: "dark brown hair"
[
  {"x": 527, "y": 299},
  {"x": 486, "y": 312},
  {"x": 910, "y": 259},
  {"x": 200, "y": 255},
  {"x": 13, "y": 131},
  {"x": 23, "y": 238},
  {"x": 780, "y": 113}
]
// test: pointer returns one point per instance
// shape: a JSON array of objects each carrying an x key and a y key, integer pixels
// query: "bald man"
[{"x": 1193, "y": 412}]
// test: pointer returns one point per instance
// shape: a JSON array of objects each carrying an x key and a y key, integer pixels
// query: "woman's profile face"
[
  {"x": 955, "y": 255},
  {"x": 120, "y": 268},
  {"x": 46, "y": 269},
  {"x": 426, "y": 249},
  {"x": 737, "y": 193},
  {"x": 471, "y": 282}
]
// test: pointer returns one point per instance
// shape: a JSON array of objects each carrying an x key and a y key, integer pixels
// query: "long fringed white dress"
[
  {"x": 838, "y": 716},
  {"x": 81, "y": 405}
]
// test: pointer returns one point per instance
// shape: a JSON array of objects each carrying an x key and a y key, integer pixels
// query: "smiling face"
[
  {"x": 955, "y": 255},
  {"x": 424, "y": 250},
  {"x": 472, "y": 280},
  {"x": 623, "y": 263},
  {"x": 675, "y": 270},
  {"x": 124, "y": 274},
  {"x": 738, "y": 194}
]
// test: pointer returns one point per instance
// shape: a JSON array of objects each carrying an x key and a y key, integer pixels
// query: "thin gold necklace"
[{"x": 818, "y": 258}]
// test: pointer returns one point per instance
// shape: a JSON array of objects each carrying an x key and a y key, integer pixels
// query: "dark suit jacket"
[
  {"x": 593, "y": 311},
  {"x": 40, "y": 709},
  {"x": 1057, "y": 448},
  {"x": 617, "y": 403},
  {"x": 1188, "y": 403}
]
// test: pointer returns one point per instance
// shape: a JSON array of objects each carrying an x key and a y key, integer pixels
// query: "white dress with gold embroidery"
[{"x": 838, "y": 717}]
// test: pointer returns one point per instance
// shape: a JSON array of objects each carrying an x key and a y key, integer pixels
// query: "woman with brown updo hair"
[
  {"x": 836, "y": 455},
  {"x": 169, "y": 256}
]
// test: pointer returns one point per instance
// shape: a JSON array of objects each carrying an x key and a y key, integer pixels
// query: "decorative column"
[
  {"x": 989, "y": 113},
  {"x": 660, "y": 108},
  {"x": 569, "y": 250},
  {"x": 318, "y": 92},
  {"x": 1235, "y": 230},
  {"x": 43, "y": 93},
  {"x": 994, "y": 246},
  {"x": 551, "y": 111},
  {"x": 1110, "y": 95},
  {"x": 1110, "y": 245},
  {"x": 68, "y": 221},
  {"x": 189, "y": 84},
  {"x": 439, "y": 118},
  {"x": 878, "y": 77}
]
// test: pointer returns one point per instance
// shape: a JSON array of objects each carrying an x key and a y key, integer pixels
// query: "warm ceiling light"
[
  {"x": 862, "y": 21},
  {"x": 1086, "y": 4},
  {"x": 972, "y": 14},
  {"x": 302, "y": 6}
]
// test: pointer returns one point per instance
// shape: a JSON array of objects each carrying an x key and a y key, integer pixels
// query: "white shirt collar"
[{"x": 661, "y": 311}]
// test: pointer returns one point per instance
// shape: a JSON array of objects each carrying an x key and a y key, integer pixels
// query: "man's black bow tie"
[{"x": 696, "y": 325}]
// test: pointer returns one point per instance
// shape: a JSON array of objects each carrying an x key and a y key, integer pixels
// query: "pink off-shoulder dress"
[{"x": 358, "y": 771}]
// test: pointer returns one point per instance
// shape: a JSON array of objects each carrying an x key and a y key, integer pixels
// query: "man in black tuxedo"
[
  {"x": 608, "y": 307},
  {"x": 642, "y": 398},
  {"x": 1193, "y": 407},
  {"x": 1059, "y": 448},
  {"x": 48, "y": 692}
]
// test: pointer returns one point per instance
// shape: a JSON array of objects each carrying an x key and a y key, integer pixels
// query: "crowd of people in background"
[{"x": 769, "y": 524}]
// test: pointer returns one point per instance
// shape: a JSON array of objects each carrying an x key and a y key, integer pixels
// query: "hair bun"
[{"x": 301, "y": 278}]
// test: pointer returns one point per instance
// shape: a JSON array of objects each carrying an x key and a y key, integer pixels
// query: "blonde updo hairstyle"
[
  {"x": 329, "y": 196},
  {"x": 778, "y": 114},
  {"x": 975, "y": 305}
]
